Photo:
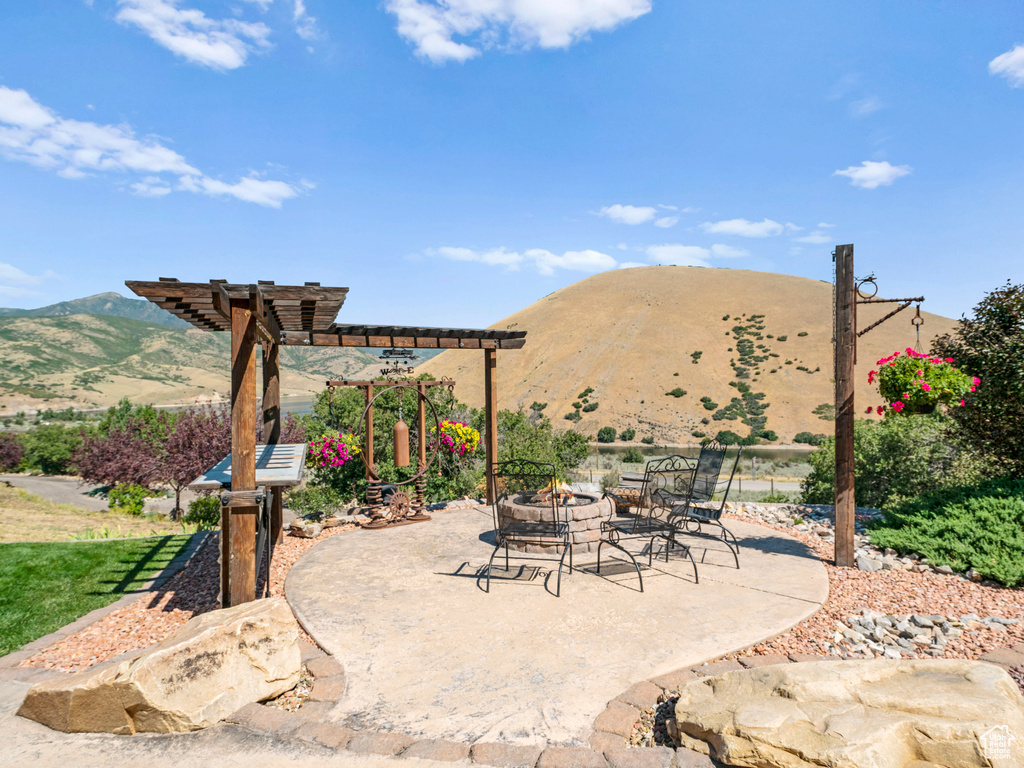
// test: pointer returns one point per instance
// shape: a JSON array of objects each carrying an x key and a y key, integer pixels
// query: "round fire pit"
[{"x": 584, "y": 512}]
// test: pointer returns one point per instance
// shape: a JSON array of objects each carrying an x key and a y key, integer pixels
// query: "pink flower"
[
  {"x": 926, "y": 387},
  {"x": 949, "y": 360},
  {"x": 976, "y": 380},
  {"x": 962, "y": 403},
  {"x": 897, "y": 406},
  {"x": 920, "y": 373},
  {"x": 973, "y": 389},
  {"x": 880, "y": 410},
  {"x": 906, "y": 395}
]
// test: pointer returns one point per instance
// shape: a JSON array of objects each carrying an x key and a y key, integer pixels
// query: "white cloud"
[
  {"x": 31, "y": 133},
  {"x": 668, "y": 207},
  {"x": 632, "y": 264},
  {"x": 15, "y": 282},
  {"x": 743, "y": 228},
  {"x": 728, "y": 251},
  {"x": 871, "y": 174},
  {"x": 306, "y": 26},
  {"x": 628, "y": 214},
  {"x": 220, "y": 44},
  {"x": 866, "y": 106},
  {"x": 815, "y": 238},
  {"x": 544, "y": 261},
  {"x": 680, "y": 255},
  {"x": 824, "y": 225},
  {"x": 666, "y": 222},
  {"x": 433, "y": 25},
  {"x": 1009, "y": 65}
]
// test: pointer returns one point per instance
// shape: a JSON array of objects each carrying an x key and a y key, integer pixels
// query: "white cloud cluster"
[
  {"x": 628, "y": 214},
  {"x": 871, "y": 174},
  {"x": 220, "y": 44},
  {"x": 31, "y": 133},
  {"x": 545, "y": 262},
  {"x": 15, "y": 282},
  {"x": 306, "y": 26},
  {"x": 743, "y": 228},
  {"x": 433, "y": 25},
  {"x": 1010, "y": 65}
]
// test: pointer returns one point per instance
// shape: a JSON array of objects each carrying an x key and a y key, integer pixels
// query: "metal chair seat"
[{"x": 530, "y": 530}]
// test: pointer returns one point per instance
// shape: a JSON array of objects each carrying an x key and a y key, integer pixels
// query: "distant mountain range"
[
  {"x": 111, "y": 304},
  {"x": 93, "y": 351}
]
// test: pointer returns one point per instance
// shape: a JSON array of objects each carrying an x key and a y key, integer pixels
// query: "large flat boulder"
[
  {"x": 937, "y": 713},
  {"x": 212, "y": 666}
]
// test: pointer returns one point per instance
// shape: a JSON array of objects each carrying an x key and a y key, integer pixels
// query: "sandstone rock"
[
  {"x": 853, "y": 714},
  {"x": 208, "y": 669},
  {"x": 306, "y": 529}
]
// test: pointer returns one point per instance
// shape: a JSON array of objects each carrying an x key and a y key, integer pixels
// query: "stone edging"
[{"x": 9, "y": 669}]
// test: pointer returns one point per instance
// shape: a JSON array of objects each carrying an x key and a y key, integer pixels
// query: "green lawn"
[{"x": 44, "y": 586}]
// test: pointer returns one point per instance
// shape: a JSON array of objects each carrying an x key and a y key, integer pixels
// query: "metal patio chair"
[
  {"x": 521, "y": 479},
  {"x": 665, "y": 496},
  {"x": 707, "y": 502}
]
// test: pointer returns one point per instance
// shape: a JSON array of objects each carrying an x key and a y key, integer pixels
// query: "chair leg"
[
  {"x": 570, "y": 556},
  {"x": 506, "y": 556},
  {"x": 686, "y": 549},
  {"x": 490, "y": 563},
  {"x": 558, "y": 588},
  {"x": 599, "y": 545}
]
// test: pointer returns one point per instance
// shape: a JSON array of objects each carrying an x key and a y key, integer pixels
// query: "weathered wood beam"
[
  {"x": 240, "y": 536},
  {"x": 846, "y": 344},
  {"x": 491, "y": 417}
]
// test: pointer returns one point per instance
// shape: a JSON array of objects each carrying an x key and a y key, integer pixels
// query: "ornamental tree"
[
  {"x": 11, "y": 451},
  {"x": 990, "y": 343},
  {"x": 201, "y": 437}
]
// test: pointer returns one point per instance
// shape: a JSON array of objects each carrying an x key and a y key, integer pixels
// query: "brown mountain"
[{"x": 633, "y": 335}]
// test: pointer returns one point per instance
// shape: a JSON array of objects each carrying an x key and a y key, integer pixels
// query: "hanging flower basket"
[
  {"x": 332, "y": 451},
  {"x": 914, "y": 383},
  {"x": 456, "y": 438}
]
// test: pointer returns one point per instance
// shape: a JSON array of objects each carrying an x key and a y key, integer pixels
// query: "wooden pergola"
[{"x": 267, "y": 315}]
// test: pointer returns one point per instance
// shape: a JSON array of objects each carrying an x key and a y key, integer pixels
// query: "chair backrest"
[
  {"x": 668, "y": 483},
  {"x": 512, "y": 478},
  {"x": 708, "y": 481}
]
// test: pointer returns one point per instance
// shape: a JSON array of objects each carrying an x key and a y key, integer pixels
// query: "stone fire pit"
[{"x": 585, "y": 513}]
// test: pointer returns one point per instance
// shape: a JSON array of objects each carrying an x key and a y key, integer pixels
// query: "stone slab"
[
  {"x": 438, "y": 749},
  {"x": 571, "y": 757},
  {"x": 426, "y": 651},
  {"x": 505, "y": 755},
  {"x": 647, "y": 757}
]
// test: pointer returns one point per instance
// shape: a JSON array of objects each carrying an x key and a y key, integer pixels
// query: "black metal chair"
[
  {"x": 520, "y": 480},
  {"x": 707, "y": 502},
  {"x": 664, "y": 497}
]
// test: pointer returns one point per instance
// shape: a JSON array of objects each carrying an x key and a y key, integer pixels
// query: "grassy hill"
[
  {"x": 90, "y": 360},
  {"x": 662, "y": 348},
  {"x": 112, "y": 304}
]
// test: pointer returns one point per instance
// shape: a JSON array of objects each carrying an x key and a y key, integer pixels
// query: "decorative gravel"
[
  {"x": 154, "y": 616},
  {"x": 893, "y": 592},
  {"x": 292, "y": 701}
]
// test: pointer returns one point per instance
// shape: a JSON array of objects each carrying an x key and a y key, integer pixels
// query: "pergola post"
[
  {"x": 272, "y": 430},
  {"x": 238, "y": 523},
  {"x": 846, "y": 344},
  {"x": 491, "y": 416}
]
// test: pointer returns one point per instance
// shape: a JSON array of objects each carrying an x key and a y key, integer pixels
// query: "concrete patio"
[{"x": 428, "y": 653}]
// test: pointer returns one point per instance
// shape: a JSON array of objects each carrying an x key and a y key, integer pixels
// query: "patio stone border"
[{"x": 9, "y": 669}]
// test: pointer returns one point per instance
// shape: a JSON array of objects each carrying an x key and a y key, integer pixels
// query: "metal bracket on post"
[{"x": 233, "y": 499}]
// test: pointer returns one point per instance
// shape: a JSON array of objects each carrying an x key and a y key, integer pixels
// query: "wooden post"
[
  {"x": 846, "y": 346},
  {"x": 421, "y": 458},
  {"x": 238, "y": 565},
  {"x": 491, "y": 416},
  {"x": 272, "y": 430}
]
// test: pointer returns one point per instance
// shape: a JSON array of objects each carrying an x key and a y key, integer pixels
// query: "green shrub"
[
  {"x": 128, "y": 498},
  {"x": 632, "y": 456},
  {"x": 802, "y": 333},
  {"x": 606, "y": 435},
  {"x": 49, "y": 448},
  {"x": 897, "y": 456},
  {"x": 627, "y": 435},
  {"x": 204, "y": 513},
  {"x": 577, "y": 405},
  {"x": 980, "y": 527},
  {"x": 677, "y": 392},
  {"x": 781, "y": 338},
  {"x": 809, "y": 438},
  {"x": 825, "y": 412},
  {"x": 698, "y": 433},
  {"x": 585, "y": 393},
  {"x": 573, "y": 416},
  {"x": 709, "y": 404},
  {"x": 648, "y": 440},
  {"x": 590, "y": 407},
  {"x": 728, "y": 437},
  {"x": 770, "y": 435},
  {"x": 695, "y": 356},
  {"x": 314, "y": 501},
  {"x": 610, "y": 480},
  {"x": 538, "y": 406}
]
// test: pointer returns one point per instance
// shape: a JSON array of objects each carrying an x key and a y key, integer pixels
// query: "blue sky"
[{"x": 453, "y": 161}]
